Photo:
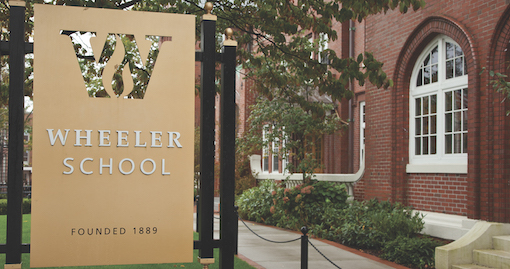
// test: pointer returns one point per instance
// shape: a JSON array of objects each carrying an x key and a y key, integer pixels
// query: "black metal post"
[
  {"x": 236, "y": 232},
  {"x": 304, "y": 248},
  {"x": 228, "y": 222},
  {"x": 16, "y": 128},
  {"x": 207, "y": 124}
]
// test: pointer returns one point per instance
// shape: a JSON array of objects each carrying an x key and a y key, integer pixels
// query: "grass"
[{"x": 238, "y": 263}]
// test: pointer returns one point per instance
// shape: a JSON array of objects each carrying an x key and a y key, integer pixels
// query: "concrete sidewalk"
[
  {"x": 263, "y": 254},
  {"x": 288, "y": 255}
]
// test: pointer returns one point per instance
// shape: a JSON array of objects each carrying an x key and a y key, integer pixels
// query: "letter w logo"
[{"x": 106, "y": 75}]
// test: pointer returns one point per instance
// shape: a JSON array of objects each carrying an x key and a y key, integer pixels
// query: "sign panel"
[{"x": 113, "y": 137}]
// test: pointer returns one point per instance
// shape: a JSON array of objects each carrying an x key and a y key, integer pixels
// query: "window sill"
[{"x": 437, "y": 168}]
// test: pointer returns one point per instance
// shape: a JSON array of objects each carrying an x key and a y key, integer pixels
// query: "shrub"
[
  {"x": 305, "y": 203},
  {"x": 243, "y": 175},
  {"x": 26, "y": 206},
  {"x": 255, "y": 203},
  {"x": 411, "y": 251},
  {"x": 390, "y": 228},
  {"x": 291, "y": 207},
  {"x": 370, "y": 224}
]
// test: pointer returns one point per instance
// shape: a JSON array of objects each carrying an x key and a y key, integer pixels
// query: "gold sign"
[{"x": 113, "y": 137}]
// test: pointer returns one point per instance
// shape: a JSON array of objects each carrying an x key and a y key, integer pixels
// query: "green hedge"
[
  {"x": 27, "y": 206},
  {"x": 389, "y": 228}
]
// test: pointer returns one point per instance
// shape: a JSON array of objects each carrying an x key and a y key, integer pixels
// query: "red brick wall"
[
  {"x": 482, "y": 29},
  {"x": 397, "y": 40},
  {"x": 494, "y": 197},
  {"x": 443, "y": 193}
]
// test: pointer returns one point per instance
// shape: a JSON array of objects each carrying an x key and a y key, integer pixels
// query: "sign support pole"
[
  {"x": 207, "y": 125},
  {"x": 16, "y": 127},
  {"x": 228, "y": 224}
]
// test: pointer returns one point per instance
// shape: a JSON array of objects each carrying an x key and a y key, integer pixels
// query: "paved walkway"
[
  {"x": 263, "y": 254},
  {"x": 271, "y": 255}
]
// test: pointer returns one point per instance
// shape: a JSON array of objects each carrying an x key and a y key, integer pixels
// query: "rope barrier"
[
  {"x": 282, "y": 242},
  {"x": 324, "y": 256},
  {"x": 277, "y": 242}
]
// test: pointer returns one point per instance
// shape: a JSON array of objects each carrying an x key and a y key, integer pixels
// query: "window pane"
[
  {"x": 458, "y": 51},
  {"x": 449, "y": 69},
  {"x": 434, "y": 55},
  {"x": 457, "y": 99},
  {"x": 449, "y": 50},
  {"x": 448, "y": 144},
  {"x": 275, "y": 163},
  {"x": 465, "y": 143},
  {"x": 457, "y": 121},
  {"x": 448, "y": 122},
  {"x": 426, "y": 61},
  {"x": 425, "y": 105},
  {"x": 418, "y": 107},
  {"x": 426, "y": 75},
  {"x": 448, "y": 101},
  {"x": 458, "y": 143},
  {"x": 433, "y": 145},
  {"x": 417, "y": 146},
  {"x": 418, "y": 126},
  {"x": 419, "y": 79},
  {"x": 465, "y": 67},
  {"x": 459, "y": 67},
  {"x": 464, "y": 120},
  {"x": 425, "y": 145},
  {"x": 433, "y": 124},
  {"x": 465, "y": 99},
  {"x": 433, "y": 104},
  {"x": 434, "y": 71},
  {"x": 426, "y": 125}
]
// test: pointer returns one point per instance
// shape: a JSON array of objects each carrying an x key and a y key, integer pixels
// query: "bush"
[
  {"x": 411, "y": 251},
  {"x": 291, "y": 207},
  {"x": 255, "y": 203},
  {"x": 389, "y": 228},
  {"x": 370, "y": 224},
  {"x": 304, "y": 205},
  {"x": 244, "y": 178},
  {"x": 27, "y": 206}
]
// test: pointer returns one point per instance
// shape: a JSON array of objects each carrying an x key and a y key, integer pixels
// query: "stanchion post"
[
  {"x": 304, "y": 248},
  {"x": 236, "y": 208},
  {"x": 207, "y": 124},
  {"x": 16, "y": 127},
  {"x": 228, "y": 221}
]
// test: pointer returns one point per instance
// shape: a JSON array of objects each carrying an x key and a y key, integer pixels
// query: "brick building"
[{"x": 439, "y": 139}]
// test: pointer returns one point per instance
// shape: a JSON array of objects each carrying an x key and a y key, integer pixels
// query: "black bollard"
[
  {"x": 304, "y": 248},
  {"x": 237, "y": 228}
]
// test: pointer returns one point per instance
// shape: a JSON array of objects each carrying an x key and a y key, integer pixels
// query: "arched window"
[{"x": 438, "y": 109}]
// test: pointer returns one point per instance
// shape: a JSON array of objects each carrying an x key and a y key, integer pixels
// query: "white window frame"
[
  {"x": 274, "y": 155},
  {"x": 439, "y": 162},
  {"x": 284, "y": 158},
  {"x": 269, "y": 153},
  {"x": 265, "y": 150},
  {"x": 323, "y": 45}
]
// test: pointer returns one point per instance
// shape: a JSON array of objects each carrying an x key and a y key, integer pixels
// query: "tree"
[
  {"x": 500, "y": 83},
  {"x": 277, "y": 29},
  {"x": 275, "y": 50}
]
